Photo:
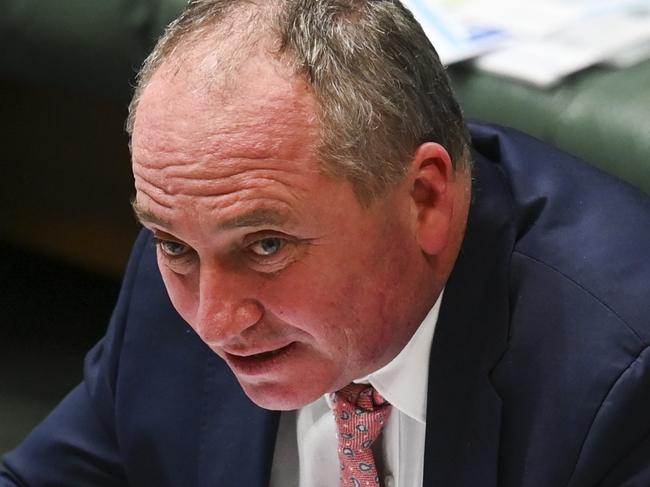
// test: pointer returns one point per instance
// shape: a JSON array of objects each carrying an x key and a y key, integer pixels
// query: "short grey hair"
[{"x": 379, "y": 83}]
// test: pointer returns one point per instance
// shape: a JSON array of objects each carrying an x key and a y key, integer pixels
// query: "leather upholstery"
[{"x": 602, "y": 115}]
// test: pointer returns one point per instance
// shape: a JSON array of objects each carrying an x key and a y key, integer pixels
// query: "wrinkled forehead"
[{"x": 255, "y": 106}]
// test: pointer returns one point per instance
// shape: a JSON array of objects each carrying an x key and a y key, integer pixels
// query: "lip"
[
  {"x": 249, "y": 352},
  {"x": 266, "y": 362}
]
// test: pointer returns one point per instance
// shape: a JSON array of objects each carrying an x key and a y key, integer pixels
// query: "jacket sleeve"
[{"x": 77, "y": 443}]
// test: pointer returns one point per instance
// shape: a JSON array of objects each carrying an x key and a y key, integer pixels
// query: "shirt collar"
[{"x": 404, "y": 380}]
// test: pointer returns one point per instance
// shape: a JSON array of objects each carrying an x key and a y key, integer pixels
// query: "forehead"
[
  {"x": 257, "y": 106},
  {"x": 200, "y": 144}
]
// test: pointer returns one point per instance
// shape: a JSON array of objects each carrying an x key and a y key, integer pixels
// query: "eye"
[
  {"x": 171, "y": 248},
  {"x": 267, "y": 246}
]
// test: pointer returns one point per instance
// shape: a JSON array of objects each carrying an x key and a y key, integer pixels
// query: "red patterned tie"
[{"x": 360, "y": 414}]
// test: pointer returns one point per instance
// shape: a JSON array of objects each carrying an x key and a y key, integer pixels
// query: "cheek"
[
  {"x": 312, "y": 301},
  {"x": 307, "y": 305},
  {"x": 376, "y": 298},
  {"x": 334, "y": 290}
]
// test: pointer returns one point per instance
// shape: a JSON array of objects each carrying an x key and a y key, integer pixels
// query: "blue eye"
[
  {"x": 267, "y": 246},
  {"x": 171, "y": 248}
]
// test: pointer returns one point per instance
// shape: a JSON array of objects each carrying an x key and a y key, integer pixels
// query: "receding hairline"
[
  {"x": 372, "y": 112},
  {"x": 233, "y": 37}
]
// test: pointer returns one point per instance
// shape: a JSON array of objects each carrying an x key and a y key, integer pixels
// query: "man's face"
[{"x": 277, "y": 267}]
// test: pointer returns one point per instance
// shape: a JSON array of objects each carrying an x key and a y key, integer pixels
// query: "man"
[{"x": 316, "y": 216}]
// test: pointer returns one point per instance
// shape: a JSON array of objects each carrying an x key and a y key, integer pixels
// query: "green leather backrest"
[{"x": 601, "y": 115}]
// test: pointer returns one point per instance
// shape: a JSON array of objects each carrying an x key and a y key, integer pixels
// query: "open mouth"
[
  {"x": 267, "y": 355},
  {"x": 259, "y": 363}
]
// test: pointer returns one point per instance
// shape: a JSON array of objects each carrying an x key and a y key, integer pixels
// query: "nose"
[{"x": 227, "y": 307}]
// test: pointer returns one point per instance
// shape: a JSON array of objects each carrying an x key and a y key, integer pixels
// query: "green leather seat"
[{"x": 601, "y": 115}]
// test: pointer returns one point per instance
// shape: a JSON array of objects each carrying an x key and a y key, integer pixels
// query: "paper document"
[
  {"x": 619, "y": 38},
  {"x": 454, "y": 38},
  {"x": 538, "y": 41}
]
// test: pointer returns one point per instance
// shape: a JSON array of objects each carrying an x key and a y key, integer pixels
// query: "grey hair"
[{"x": 379, "y": 83}]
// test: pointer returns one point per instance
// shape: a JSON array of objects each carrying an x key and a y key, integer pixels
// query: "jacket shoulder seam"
[{"x": 584, "y": 290}]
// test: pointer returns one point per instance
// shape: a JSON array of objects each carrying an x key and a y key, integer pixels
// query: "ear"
[{"x": 432, "y": 178}]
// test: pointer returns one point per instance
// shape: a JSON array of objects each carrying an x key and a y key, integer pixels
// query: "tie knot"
[{"x": 362, "y": 396}]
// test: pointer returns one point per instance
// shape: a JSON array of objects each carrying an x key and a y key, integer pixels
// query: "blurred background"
[
  {"x": 574, "y": 73},
  {"x": 66, "y": 71}
]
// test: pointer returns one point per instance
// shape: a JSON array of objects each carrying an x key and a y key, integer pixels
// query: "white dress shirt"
[{"x": 306, "y": 445}]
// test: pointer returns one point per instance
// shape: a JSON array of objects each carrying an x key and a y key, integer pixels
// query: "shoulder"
[
  {"x": 583, "y": 233},
  {"x": 575, "y": 376}
]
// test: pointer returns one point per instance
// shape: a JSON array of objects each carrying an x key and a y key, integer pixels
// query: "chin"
[{"x": 277, "y": 397}]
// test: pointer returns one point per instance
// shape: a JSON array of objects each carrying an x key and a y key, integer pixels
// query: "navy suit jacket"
[{"x": 539, "y": 373}]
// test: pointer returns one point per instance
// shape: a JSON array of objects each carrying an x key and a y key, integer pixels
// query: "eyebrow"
[
  {"x": 145, "y": 216},
  {"x": 255, "y": 218},
  {"x": 258, "y": 217}
]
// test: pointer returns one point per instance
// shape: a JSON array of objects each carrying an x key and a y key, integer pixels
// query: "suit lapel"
[
  {"x": 463, "y": 413},
  {"x": 237, "y": 437}
]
